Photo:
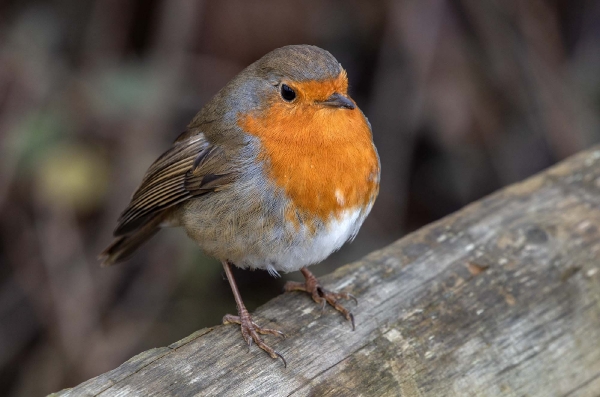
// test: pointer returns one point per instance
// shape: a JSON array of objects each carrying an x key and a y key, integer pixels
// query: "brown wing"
[{"x": 192, "y": 167}]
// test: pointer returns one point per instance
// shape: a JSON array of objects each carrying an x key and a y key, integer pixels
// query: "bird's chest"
[
  {"x": 323, "y": 162},
  {"x": 324, "y": 184}
]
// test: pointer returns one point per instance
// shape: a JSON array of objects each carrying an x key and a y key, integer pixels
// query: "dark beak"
[{"x": 339, "y": 101}]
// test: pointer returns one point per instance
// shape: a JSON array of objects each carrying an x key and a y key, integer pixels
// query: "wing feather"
[{"x": 175, "y": 177}]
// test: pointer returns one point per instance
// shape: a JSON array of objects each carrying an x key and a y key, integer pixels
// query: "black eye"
[{"x": 287, "y": 93}]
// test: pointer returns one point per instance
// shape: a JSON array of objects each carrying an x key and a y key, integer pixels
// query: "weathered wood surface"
[{"x": 501, "y": 298}]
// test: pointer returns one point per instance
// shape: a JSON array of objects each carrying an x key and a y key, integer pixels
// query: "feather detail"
[{"x": 191, "y": 168}]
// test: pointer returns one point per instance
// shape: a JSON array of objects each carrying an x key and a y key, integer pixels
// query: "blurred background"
[{"x": 464, "y": 97}]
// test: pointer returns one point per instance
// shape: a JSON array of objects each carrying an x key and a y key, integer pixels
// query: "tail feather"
[{"x": 124, "y": 246}]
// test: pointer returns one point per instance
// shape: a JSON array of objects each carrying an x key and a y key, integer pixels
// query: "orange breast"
[{"x": 322, "y": 158}]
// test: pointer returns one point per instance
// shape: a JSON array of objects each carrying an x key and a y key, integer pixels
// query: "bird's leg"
[
  {"x": 250, "y": 330},
  {"x": 320, "y": 294}
]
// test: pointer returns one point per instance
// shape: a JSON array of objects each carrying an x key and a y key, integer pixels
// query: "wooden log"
[{"x": 501, "y": 298}]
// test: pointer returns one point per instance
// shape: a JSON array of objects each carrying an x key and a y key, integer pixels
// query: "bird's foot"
[
  {"x": 321, "y": 295},
  {"x": 251, "y": 330}
]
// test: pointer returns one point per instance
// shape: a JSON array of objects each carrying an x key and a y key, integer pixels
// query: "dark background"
[{"x": 464, "y": 97}]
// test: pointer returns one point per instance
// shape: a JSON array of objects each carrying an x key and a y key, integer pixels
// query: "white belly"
[{"x": 314, "y": 247}]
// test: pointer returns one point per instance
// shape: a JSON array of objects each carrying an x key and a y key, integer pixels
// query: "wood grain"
[{"x": 501, "y": 298}]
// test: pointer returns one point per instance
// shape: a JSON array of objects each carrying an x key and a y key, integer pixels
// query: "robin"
[{"x": 276, "y": 172}]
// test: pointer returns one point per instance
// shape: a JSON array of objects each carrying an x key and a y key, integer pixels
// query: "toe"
[
  {"x": 332, "y": 299},
  {"x": 231, "y": 319},
  {"x": 294, "y": 286},
  {"x": 269, "y": 331}
]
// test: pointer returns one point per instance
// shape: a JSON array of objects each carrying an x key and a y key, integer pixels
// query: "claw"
[
  {"x": 281, "y": 357},
  {"x": 353, "y": 298}
]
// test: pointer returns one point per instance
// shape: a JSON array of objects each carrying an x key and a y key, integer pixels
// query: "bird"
[{"x": 276, "y": 172}]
